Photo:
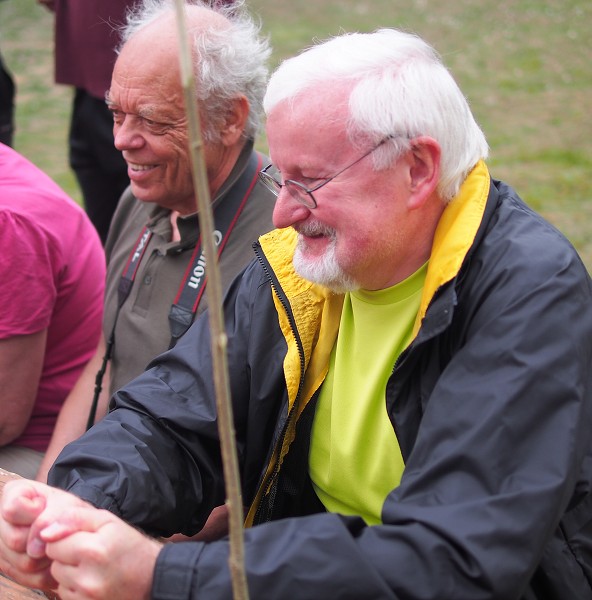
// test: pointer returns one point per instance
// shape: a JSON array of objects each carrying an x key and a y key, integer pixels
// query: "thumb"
[{"x": 87, "y": 519}]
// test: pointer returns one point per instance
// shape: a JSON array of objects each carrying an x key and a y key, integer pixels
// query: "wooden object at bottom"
[{"x": 9, "y": 589}]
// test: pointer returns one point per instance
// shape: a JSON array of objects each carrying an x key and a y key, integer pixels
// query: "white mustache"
[{"x": 315, "y": 228}]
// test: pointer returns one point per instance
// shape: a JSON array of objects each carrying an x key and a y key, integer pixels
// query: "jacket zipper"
[{"x": 280, "y": 442}]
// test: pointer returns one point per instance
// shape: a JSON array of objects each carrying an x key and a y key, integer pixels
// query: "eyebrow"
[
  {"x": 149, "y": 112},
  {"x": 145, "y": 112}
]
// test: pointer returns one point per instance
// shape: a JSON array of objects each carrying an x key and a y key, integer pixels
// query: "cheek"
[
  {"x": 364, "y": 237},
  {"x": 353, "y": 242},
  {"x": 176, "y": 147},
  {"x": 178, "y": 164}
]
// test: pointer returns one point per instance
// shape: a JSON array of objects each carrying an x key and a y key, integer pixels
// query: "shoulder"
[
  {"x": 21, "y": 231},
  {"x": 523, "y": 272},
  {"x": 519, "y": 239},
  {"x": 30, "y": 270}
]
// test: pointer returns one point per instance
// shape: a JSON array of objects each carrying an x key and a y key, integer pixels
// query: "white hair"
[
  {"x": 400, "y": 87},
  {"x": 228, "y": 62}
]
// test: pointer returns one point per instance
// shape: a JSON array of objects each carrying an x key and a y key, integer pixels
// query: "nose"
[
  {"x": 126, "y": 135},
  {"x": 288, "y": 210}
]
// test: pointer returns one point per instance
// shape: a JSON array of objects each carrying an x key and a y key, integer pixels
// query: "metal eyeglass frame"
[{"x": 298, "y": 190}]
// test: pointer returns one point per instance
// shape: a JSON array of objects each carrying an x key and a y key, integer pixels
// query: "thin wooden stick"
[{"x": 218, "y": 335}]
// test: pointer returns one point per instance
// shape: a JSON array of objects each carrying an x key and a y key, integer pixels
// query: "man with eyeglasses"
[{"x": 410, "y": 372}]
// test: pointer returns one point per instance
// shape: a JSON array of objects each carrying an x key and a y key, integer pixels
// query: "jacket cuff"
[
  {"x": 175, "y": 571},
  {"x": 90, "y": 493}
]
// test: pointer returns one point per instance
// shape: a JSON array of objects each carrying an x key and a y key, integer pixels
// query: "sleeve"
[
  {"x": 27, "y": 271},
  {"x": 161, "y": 469}
]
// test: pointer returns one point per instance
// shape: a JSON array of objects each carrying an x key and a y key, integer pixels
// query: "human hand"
[
  {"x": 98, "y": 556},
  {"x": 21, "y": 504},
  {"x": 216, "y": 527}
]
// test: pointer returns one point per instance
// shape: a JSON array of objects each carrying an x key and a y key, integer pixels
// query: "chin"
[
  {"x": 324, "y": 271},
  {"x": 140, "y": 193}
]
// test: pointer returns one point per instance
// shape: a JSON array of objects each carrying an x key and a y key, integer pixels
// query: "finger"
[
  {"x": 81, "y": 548},
  {"x": 72, "y": 584},
  {"x": 13, "y": 538},
  {"x": 33, "y": 574},
  {"x": 79, "y": 519},
  {"x": 56, "y": 531},
  {"x": 61, "y": 507},
  {"x": 22, "y": 502},
  {"x": 36, "y": 547},
  {"x": 70, "y": 535}
]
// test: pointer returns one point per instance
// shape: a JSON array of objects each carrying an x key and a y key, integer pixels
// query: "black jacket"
[{"x": 491, "y": 404}]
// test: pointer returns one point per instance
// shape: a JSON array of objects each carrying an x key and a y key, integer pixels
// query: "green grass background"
[{"x": 525, "y": 66}]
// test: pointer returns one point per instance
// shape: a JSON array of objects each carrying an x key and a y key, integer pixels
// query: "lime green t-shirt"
[{"x": 354, "y": 459}]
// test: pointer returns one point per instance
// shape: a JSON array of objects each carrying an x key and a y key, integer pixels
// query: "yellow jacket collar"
[
  {"x": 455, "y": 234},
  {"x": 316, "y": 312}
]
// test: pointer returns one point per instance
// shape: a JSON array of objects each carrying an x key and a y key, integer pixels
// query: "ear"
[
  {"x": 424, "y": 170},
  {"x": 235, "y": 121}
]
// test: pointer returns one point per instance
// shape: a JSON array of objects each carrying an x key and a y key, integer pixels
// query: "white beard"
[{"x": 324, "y": 270}]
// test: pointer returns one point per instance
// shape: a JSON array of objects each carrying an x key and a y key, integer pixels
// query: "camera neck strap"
[{"x": 184, "y": 308}]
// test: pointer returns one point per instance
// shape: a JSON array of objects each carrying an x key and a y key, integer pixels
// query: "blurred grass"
[
  {"x": 42, "y": 108},
  {"x": 525, "y": 65}
]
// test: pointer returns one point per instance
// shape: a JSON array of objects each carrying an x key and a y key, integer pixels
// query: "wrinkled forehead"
[
  {"x": 146, "y": 67},
  {"x": 151, "y": 46}
]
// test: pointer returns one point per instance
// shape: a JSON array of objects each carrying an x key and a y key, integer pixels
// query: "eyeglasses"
[{"x": 298, "y": 190}]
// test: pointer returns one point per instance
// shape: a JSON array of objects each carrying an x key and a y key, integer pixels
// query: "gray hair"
[
  {"x": 228, "y": 62},
  {"x": 400, "y": 87}
]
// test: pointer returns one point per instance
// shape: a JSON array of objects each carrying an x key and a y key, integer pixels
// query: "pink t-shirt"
[{"x": 52, "y": 275}]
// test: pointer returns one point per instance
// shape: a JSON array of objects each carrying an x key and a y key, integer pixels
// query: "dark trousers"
[
  {"x": 7, "y": 92},
  {"x": 99, "y": 167}
]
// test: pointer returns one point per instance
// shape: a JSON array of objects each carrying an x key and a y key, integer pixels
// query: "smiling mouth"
[{"x": 137, "y": 167}]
